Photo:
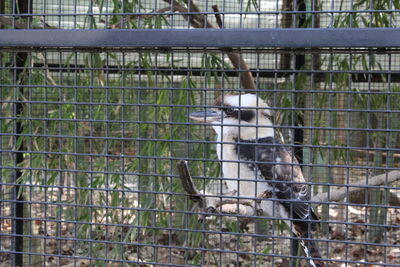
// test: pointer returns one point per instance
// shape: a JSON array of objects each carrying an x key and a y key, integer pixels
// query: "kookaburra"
[{"x": 254, "y": 161}]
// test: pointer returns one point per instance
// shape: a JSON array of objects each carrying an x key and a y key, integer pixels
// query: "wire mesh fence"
[{"x": 91, "y": 135}]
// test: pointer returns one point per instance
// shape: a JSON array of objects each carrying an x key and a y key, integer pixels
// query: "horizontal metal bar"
[
  {"x": 360, "y": 167},
  {"x": 189, "y": 248},
  {"x": 223, "y": 38},
  {"x": 130, "y": 190},
  {"x": 205, "y": 231},
  {"x": 83, "y": 103},
  {"x": 249, "y": 50},
  {"x": 358, "y": 149},
  {"x": 202, "y": 124},
  {"x": 388, "y": 92},
  {"x": 208, "y": 195},
  {"x": 225, "y": 12},
  {"x": 377, "y": 76},
  {"x": 348, "y": 242}
]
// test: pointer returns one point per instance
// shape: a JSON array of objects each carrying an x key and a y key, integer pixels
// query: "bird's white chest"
[{"x": 240, "y": 177}]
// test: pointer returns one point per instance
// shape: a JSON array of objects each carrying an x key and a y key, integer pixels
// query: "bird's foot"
[
  {"x": 210, "y": 209},
  {"x": 263, "y": 195},
  {"x": 259, "y": 212}
]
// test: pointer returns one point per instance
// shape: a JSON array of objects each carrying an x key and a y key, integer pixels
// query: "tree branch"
[
  {"x": 264, "y": 206},
  {"x": 351, "y": 189},
  {"x": 218, "y": 16},
  {"x": 246, "y": 78},
  {"x": 200, "y": 21},
  {"x": 7, "y": 21},
  {"x": 188, "y": 185},
  {"x": 224, "y": 205}
]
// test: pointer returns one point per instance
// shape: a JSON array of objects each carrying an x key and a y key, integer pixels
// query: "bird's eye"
[{"x": 230, "y": 111}]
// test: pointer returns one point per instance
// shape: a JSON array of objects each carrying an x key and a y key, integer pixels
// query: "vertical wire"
[
  {"x": 155, "y": 160},
  {"x": 122, "y": 16},
  {"x": 348, "y": 155},
  {"x": 61, "y": 164},
  {"x": 389, "y": 163},
  {"x": 30, "y": 148},
  {"x": 13, "y": 13},
  {"x": 186, "y": 149},
  {"x": 221, "y": 144},
  {"x": 275, "y": 110},
  {"x": 241, "y": 14},
  {"x": 123, "y": 152},
  {"x": 76, "y": 149},
  {"x": 238, "y": 176},
  {"x": 256, "y": 172},
  {"x": 222, "y": 182},
  {"x": 311, "y": 123},
  {"x": 139, "y": 148},
  {"x": 204, "y": 235},
  {"x": 368, "y": 160},
  {"x": 170, "y": 161},
  {"x": 47, "y": 148},
  {"x": 371, "y": 12},
  {"x": 75, "y": 17},
  {"x": 60, "y": 12},
  {"x": 330, "y": 123},
  {"x": 108, "y": 192},
  {"x": 92, "y": 210},
  {"x": 2, "y": 114}
]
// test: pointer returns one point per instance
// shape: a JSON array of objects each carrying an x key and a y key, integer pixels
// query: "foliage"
[{"x": 105, "y": 141}]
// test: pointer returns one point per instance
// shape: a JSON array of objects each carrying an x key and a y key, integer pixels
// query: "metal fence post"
[{"x": 22, "y": 7}]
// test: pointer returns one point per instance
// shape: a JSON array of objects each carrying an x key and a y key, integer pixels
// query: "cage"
[{"x": 96, "y": 98}]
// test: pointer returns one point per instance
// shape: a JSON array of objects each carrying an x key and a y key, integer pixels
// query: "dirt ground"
[{"x": 59, "y": 243}]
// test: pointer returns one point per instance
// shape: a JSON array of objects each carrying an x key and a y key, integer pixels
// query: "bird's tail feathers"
[{"x": 311, "y": 249}]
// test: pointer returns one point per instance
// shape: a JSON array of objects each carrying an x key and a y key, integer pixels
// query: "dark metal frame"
[{"x": 222, "y": 38}]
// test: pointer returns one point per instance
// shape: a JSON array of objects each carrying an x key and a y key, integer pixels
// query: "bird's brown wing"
[
  {"x": 281, "y": 170},
  {"x": 287, "y": 178}
]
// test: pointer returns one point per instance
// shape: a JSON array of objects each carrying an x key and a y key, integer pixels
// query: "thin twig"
[
  {"x": 125, "y": 20},
  {"x": 22, "y": 25}
]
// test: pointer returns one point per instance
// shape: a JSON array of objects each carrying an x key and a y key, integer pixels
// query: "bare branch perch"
[
  {"x": 340, "y": 194},
  {"x": 226, "y": 206},
  {"x": 187, "y": 183},
  {"x": 221, "y": 205},
  {"x": 265, "y": 206}
]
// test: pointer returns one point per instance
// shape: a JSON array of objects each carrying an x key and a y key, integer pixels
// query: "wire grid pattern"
[{"x": 90, "y": 139}]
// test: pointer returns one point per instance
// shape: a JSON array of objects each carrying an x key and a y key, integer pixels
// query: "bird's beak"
[{"x": 205, "y": 116}]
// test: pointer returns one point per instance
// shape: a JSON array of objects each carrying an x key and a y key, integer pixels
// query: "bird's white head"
[{"x": 244, "y": 116}]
